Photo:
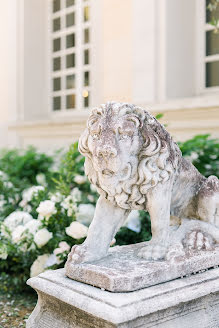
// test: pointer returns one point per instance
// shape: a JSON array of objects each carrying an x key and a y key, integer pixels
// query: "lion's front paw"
[
  {"x": 153, "y": 252},
  {"x": 83, "y": 253},
  {"x": 79, "y": 254},
  {"x": 198, "y": 240}
]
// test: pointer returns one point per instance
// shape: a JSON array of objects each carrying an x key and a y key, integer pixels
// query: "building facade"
[{"x": 60, "y": 58}]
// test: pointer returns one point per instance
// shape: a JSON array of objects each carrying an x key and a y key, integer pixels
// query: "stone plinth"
[
  {"x": 123, "y": 271},
  {"x": 188, "y": 302}
]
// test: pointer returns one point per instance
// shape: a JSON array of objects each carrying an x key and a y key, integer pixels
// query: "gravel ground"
[{"x": 14, "y": 310}]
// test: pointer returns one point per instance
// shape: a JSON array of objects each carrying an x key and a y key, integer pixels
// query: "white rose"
[
  {"x": 17, "y": 218},
  {"x": 133, "y": 221},
  {"x": 69, "y": 204},
  {"x": 91, "y": 198},
  {"x": 76, "y": 230},
  {"x": 28, "y": 194},
  {"x": 38, "y": 265},
  {"x": 70, "y": 211},
  {"x": 63, "y": 247},
  {"x": 22, "y": 203},
  {"x": 57, "y": 197},
  {"x": 42, "y": 237},
  {"x": 3, "y": 252},
  {"x": 193, "y": 155},
  {"x": 66, "y": 202},
  {"x": 52, "y": 260},
  {"x": 32, "y": 226},
  {"x": 8, "y": 184},
  {"x": 46, "y": 208},
  {"x": 85, "y": 213},
  {"x": 41, "y": 179},
  {"x": 93, "y": 188},
  {"x": 76, "y": 194},
  {"x": 3, "y": 175},
  {"x": 40, "y": 217},
  {"x": 2, "y": 203},
  {"x": 28, "y": 208},
  {"x": 79, "y": 179},
  {"x": 17, "y": 234}
]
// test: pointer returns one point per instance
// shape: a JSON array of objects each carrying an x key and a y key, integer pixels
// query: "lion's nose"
[{"x": 106, "y": 152}]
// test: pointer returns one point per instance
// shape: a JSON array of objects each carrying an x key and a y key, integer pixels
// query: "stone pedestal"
[
  {"x": 123, "y": 271},
  {"x": 190, "y": 302}
]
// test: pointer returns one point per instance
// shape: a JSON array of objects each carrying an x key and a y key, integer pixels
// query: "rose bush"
[
  {"x": 44, "y": 213},
  {"x": 40, "y": 223}
]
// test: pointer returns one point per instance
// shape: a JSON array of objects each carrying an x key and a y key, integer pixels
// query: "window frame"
[
  {"x": 201, "y": 59},
  {"x": 78, "y": 49}
]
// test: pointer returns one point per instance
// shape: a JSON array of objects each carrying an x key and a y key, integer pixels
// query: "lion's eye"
[
  {"x": 95, "y": 136},
  {"x": 124, "y": 136}
]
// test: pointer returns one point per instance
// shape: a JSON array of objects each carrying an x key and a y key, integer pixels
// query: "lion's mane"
[{"x": 158, "y": 158}]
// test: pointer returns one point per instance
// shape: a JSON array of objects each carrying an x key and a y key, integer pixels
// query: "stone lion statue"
[{"x": 134, "y": 164}]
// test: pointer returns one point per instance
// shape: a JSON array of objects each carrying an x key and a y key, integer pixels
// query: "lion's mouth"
[
  {"x": 126, "y": 173},
  {"x": 107, "y": 173}
]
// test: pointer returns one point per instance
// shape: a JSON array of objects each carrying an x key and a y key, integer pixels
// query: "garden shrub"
[
  {"x": 41, "y": 223},
  {"x": 44, "y": 212},
  {"x": 203, "y": 152},
  {"x": 25, "y": 167}
]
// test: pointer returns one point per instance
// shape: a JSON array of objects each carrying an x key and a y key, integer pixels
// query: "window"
[
  {"x": 211, "y": 49},
  {"x": 70, "y": 55}
]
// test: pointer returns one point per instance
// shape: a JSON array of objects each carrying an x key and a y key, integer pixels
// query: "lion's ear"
[
  {"x": 83, "y": 143},
  {"x": 140, "y": 113},
  {"x": 97, "y": 111}
]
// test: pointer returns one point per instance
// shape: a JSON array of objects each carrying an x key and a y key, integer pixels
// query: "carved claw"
[
  {"x": 83, "y": 253},
  {"x": 198, "y": 240},
  {"x": 153, "y": 252},
  {"x": 78, "y": 254},
  {"x": 174, "y": 252}
]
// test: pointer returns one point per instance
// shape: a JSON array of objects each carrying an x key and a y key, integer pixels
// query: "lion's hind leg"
[{"x": 208, "y": 201}]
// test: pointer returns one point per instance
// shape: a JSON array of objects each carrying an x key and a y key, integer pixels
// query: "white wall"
[
  {"x": 34, "y": 53},
  {"x": 117, "y": 50},
  {"x": 143, "y": 51},
  {"x": 180, "y": 48},
  {"x": 8, "y": 86},
  {"x": 163, "y": 50}
]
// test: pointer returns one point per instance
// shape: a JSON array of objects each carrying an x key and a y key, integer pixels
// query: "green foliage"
[
  {"x": 72, "y": 167},
  {"x": 15, "y": 268},
  {"x": 68, "y": 189},
  {"x": 203, "y": 153},
  {"x": 213, "y": 8},
  {"x": 125, "y": 236},
  {"x": 159, "y": 116},
  {"x": 23, "y": 166},
  {"x": 65, "y": 190},
  {"x": 9, "y": 197}
]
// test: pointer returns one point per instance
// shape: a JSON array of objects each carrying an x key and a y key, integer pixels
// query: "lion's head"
[{"x": 127, "y": 152}]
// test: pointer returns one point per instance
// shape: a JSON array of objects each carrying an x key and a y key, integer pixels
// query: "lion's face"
[
  {"x": 114, "y": 142},
  {"x": 126, "y": 152}
]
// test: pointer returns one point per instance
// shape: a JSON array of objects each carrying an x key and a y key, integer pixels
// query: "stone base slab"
[
  {"x": 190, "y": 302},
  {"x": 121, "y": 270}
]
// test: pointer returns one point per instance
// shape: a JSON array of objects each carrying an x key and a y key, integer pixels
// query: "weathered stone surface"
[
  {"x": 123, "y": 271},
  {"x": 191, "y": 302},
  {"x": 135, "y": 164}
]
